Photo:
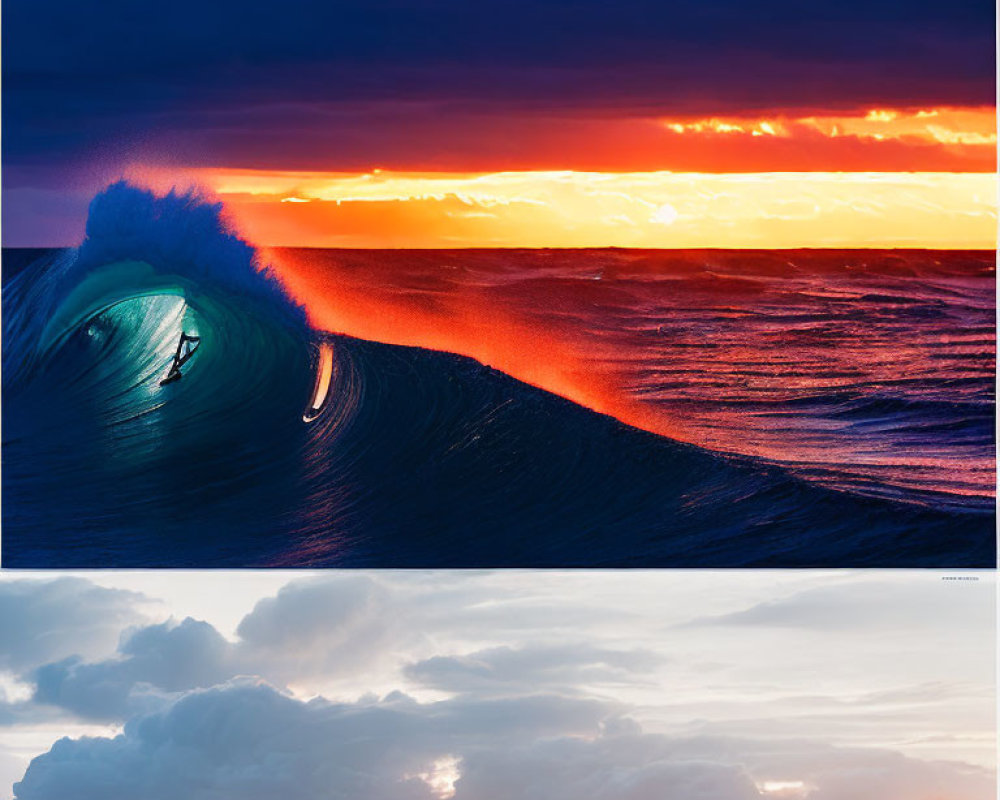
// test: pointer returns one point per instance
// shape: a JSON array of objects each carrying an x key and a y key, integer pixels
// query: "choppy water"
[
  {"x": 871, "y": 371},
  {"x": 807, "y": 408}
]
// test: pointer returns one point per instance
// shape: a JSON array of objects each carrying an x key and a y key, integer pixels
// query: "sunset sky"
[{"x": 441, "y": 124}]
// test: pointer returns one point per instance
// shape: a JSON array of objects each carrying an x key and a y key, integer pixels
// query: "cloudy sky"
[
  {"x": 606, "y": 685},
  {"x": 437, "y": 101}
]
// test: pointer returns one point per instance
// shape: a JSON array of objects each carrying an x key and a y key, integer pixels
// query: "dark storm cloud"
[{"x": 198, "y": 78}]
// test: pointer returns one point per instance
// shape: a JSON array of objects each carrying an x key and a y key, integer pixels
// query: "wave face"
[
  {"x": 871, "y": 372},
  {"x": 416, "y": 458}
]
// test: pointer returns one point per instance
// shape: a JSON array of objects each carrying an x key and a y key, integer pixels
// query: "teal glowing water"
[{"x": 411, "y": 458}]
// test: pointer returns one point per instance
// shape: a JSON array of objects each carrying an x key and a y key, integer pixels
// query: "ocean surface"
[{"x": 477, "y": 408}]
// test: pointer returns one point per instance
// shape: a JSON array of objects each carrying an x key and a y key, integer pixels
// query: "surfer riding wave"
[{"x": 409, "y": 457}]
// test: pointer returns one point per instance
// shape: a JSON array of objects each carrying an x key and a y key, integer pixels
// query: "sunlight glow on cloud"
[
  {"x": 597, "y": 209},
  {"x": 784, "y": 790},
  {"x": 953, "y": 126},
  {"x": 441, "y": 776}
]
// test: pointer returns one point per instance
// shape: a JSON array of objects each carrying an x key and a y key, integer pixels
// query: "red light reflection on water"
[{"x": 867, "y": 370}]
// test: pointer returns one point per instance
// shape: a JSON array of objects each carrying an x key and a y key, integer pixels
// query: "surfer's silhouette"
[{"x": 181, "y": 356}]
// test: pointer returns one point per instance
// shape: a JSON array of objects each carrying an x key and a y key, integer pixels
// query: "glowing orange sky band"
[{"x": 597, "y": 209}]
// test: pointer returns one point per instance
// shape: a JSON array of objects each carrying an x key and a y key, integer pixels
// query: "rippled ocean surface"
[
  {"x": 490, "y": 407},
  {"x": 868, "y": 371}
]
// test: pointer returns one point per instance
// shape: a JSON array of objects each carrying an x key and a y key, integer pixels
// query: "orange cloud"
[{"x": 963, "y": 127}]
